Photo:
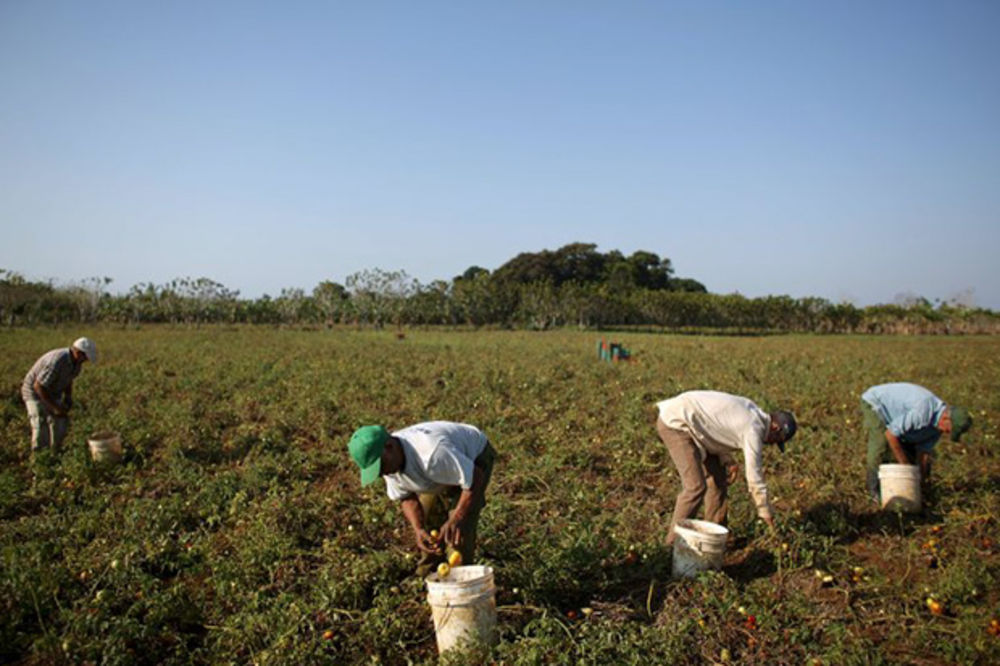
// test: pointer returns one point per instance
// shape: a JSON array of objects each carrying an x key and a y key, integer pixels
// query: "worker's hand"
[
  {"x": 770, "y": 521},
  {"x": 732, "y": 473},
  {"x": 58, "y": 411},
  {"x": 451, "y": 532},
  {"x": 425, "y": 542}
]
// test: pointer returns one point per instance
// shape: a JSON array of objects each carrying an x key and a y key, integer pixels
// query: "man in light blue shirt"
[{"x": 906, "y": 421}]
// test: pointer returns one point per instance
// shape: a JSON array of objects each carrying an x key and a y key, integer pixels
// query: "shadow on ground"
[{"x": 838, "y": 520}]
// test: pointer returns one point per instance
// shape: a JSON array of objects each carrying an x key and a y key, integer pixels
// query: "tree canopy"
[
  {"x": 582, "y": 263},
  {"x": 573, "y": 286}
]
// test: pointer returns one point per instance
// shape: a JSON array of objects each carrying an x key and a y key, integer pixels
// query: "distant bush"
[{"x": 506, "y": 298}]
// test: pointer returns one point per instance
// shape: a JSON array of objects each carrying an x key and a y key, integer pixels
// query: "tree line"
[{"x": 572, "y": 286}]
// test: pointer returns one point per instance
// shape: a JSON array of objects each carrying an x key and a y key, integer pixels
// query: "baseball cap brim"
[
  {"x": 87, "y": 347},
  {"x": 961, "y": 421},
  {"x": 371, "y": 473}
]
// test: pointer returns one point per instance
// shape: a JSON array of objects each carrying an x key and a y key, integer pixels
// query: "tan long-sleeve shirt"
[{"x": 720, "y": 423}]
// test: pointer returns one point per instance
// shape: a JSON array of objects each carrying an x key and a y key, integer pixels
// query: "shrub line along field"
[{"x": 236, "y": 531}]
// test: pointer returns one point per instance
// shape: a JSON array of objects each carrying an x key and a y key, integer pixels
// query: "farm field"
[{"x": 236, "y": 530}]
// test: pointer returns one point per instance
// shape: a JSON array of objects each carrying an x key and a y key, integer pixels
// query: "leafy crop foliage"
[{"x": 235, "y": 530}]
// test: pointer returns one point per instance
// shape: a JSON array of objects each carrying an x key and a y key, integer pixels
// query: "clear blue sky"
[{"x": 849, "y": 150}]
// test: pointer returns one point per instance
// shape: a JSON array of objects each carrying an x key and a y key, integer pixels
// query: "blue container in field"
[{"x": 612, "y": 351}]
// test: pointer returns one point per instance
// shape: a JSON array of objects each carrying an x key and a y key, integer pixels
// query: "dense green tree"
[
  {"x": 331, "y": 301},
  {"x": 688, "y": 285},
  {"x": 528, "y": 267},
  {"x": 379, "y": 296},
  {"x": 650, "y": 271},
  {"x": 471, "y": 273},
  {"x": 579, "y": 262},
  {"x": 481, "y": 300}
]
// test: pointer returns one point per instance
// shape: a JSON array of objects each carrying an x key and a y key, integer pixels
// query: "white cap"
[{"x": 87, "y": 346}]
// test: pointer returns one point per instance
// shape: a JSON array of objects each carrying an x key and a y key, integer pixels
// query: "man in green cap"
[
  {"x": 905, "y": 421},
  {"x": 429, "y": 468}
]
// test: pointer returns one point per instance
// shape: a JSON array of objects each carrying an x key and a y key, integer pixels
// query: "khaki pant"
[
  {"x": 46, "y": 428},
  {"x": 700, "y": 480},
  {"x": 437, "y": 506}
]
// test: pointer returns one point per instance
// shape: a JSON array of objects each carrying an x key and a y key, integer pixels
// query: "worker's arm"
[
  {"x": 68, "y": 400},
  {"x": 896, "y": 448},
  {"x": 451, "y": 531},
  {"x": 415, "y": 515},
  {"x": 732, "y": 473},
  {"x": 732, "y": 467},
  {"x": 753, "y": 460},
  {"x": 47, "y": 399}
]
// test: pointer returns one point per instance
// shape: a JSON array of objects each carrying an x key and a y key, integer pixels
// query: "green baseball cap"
[
  {"x": 960, "y": 421},
  {"x": 366, "y": 447}
]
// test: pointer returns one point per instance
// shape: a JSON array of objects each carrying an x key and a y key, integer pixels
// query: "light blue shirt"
[{"x": 909, "y": 412}]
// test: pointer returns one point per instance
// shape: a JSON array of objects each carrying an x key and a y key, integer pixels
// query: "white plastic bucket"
[
  {"x": 105, "y": 447},
  {"x": 699, "y": 545},
  {"x": 463, "y": 605},
  {"x": 900, "y": 487}
]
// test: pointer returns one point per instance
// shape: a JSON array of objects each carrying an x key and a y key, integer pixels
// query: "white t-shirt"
[
  {"x": 438, "y": 454},
  {"x": 720, "y": 423}
]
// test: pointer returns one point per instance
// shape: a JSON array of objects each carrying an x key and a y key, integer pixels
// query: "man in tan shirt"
[{"x": 702, "y": 429}]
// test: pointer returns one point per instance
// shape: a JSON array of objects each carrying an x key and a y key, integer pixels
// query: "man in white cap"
[{"x": 47, "y": 391}]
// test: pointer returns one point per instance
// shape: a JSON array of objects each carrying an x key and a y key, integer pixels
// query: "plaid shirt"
[{"x": 55, "y": 371}]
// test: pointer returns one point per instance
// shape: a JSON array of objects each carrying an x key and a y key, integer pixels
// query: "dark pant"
[
  {"x": 878, "y": 448},
  {"x": 436, "y": 507}
]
